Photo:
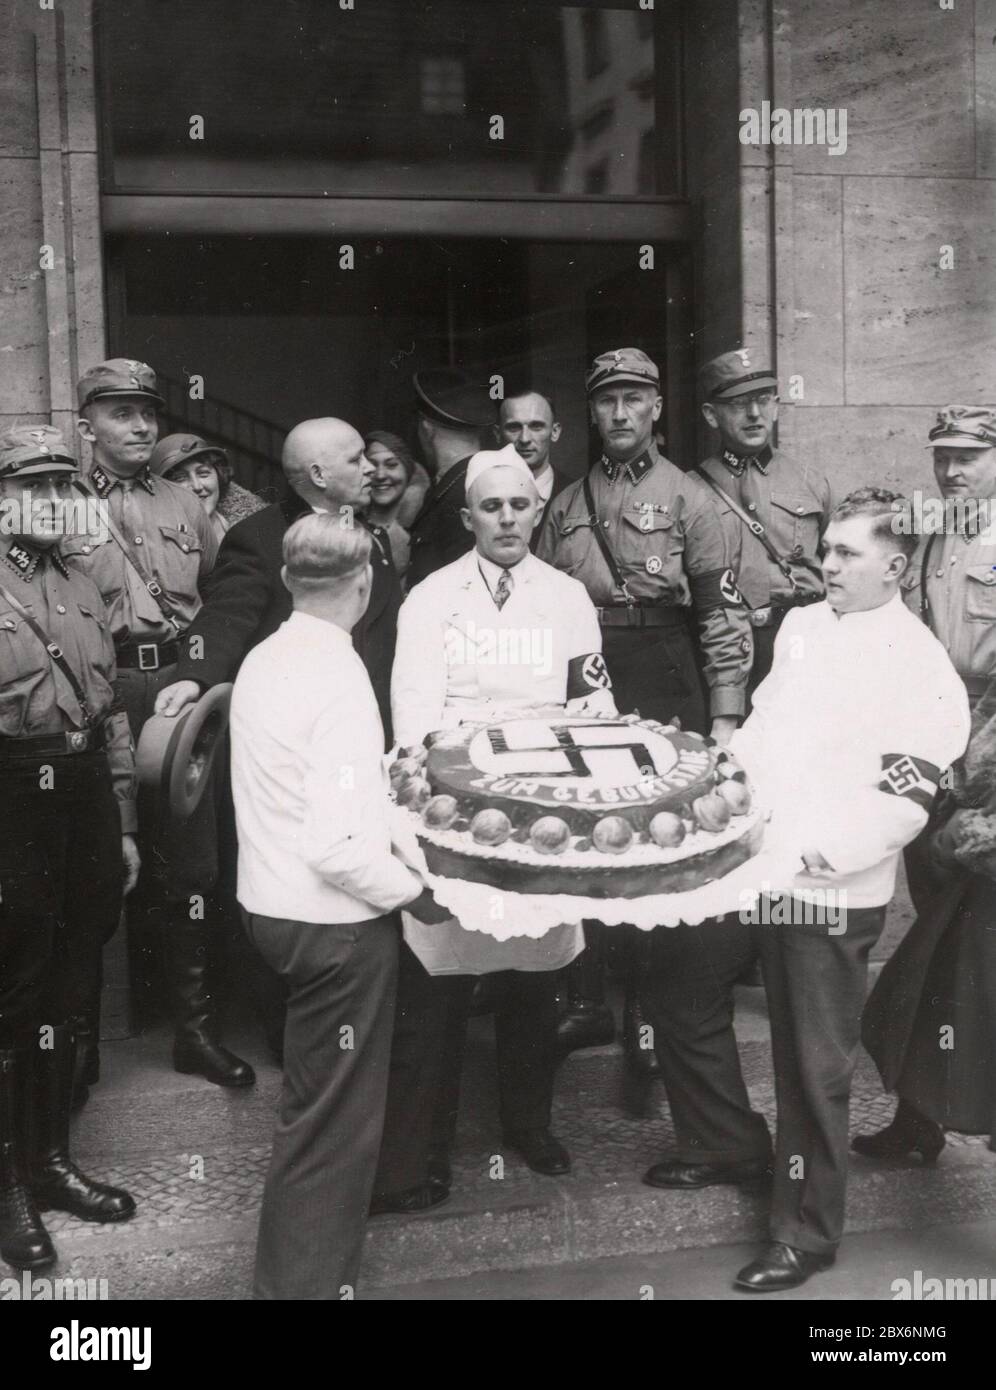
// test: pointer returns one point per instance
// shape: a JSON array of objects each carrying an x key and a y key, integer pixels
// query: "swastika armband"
[
  {"x": 587, "y": 673},
  {"x": 715, "y": 589},
  {"x": 904, "y": 775}
]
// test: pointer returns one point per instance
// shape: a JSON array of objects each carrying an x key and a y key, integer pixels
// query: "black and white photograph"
[{"x": 498, "y": 662}]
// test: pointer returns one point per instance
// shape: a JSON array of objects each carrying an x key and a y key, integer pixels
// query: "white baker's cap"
[{"x": 487, "y": 459}]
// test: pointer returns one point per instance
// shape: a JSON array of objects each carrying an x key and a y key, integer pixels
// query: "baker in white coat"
[
  {"x": 846, "y": 744},
  {"x": 496, "y": 634}
]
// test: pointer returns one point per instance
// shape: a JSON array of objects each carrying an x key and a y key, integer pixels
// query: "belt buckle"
[
  {"x": 153, "y": 663},
  {"x": 78, "y": 742}
]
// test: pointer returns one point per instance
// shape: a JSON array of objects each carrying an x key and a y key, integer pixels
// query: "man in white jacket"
[
  {"x": 846, "y": 744},
  {"x": 320, "y": 887},
  {"x": 495, "y": 634}
]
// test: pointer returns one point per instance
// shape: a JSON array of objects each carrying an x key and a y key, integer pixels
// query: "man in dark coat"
[
  {"x": 527, "y": 418},
  {"x": 456, "y": 417},
  {"x": 245, "y": 598}
]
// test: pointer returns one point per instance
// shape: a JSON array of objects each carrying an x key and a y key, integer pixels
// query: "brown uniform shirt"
[
  {"x": 35, "y": 697},
  {"x": 173, "y": 538},
  {"x": 793, "y": 505},
  {"x": 668, "y": 539},
  {"x": 960, "y": 602}
]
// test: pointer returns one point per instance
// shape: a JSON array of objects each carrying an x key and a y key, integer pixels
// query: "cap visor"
[
  {"x": 106, "y": 395},
  {"x": 743, "y": 388},
  {"x": 615, "y": 378},
  {"x": 958, "y": 441},
  {"x": 53, "y": 465}
]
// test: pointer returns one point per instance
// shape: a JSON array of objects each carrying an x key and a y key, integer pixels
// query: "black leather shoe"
[
  {"x": 24, "y": 1241},
  {"x": 542, "y": 1152},
  {"x": 204, "y": 1057},
  {"x": 781, "y": 1267},
  {"x": 672, "y": 1173},
  {"x": 410, "y": 1202},
  {"x": 909, "y": 1132}
]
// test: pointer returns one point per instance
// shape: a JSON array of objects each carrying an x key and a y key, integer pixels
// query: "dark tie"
[{"x": 503, "y": 589}]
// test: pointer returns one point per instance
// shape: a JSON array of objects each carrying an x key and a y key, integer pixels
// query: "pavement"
[{"x": 195, "y": 1157}]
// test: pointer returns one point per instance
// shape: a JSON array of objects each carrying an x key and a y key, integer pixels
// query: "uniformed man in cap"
[
  {"x": 648, "y": 543},
  {"x": 776, "y": 506},
  {"x": 456, "y": 417},
  {"x": 951, "y": 585},
  {"x": 67, "y": 838},
  {"x": 159, "y": 547}
]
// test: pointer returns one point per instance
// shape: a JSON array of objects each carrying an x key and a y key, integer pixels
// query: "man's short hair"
[
  {"x": 518, "y": 389},
  {"x": 321, "y": 549},
  {"x": 886, "y": 507}
]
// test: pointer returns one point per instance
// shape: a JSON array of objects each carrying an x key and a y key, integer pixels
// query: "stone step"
[{"x": 195, "y": 1158}]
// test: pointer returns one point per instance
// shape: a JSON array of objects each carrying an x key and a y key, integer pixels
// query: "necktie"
[{"x": 503, "y": 589}]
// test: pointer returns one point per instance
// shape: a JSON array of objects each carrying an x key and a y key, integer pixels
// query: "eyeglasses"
[{"x": 740, "y": 405}]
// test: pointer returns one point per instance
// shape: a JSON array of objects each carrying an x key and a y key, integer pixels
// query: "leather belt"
[
  {"x": 635, "y": 616},
  {"x": 52, "y": 745},
  {"x": 148, "y": 656}
]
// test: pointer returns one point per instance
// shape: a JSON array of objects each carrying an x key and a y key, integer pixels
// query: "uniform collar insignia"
[
  {"x": 55, "y": 555},
  {"x": 102, "y": 482},
  {"x": 636, "y": 468},
  {"x": 736, "y": 463},
  {"x": 22, "y": 559}
]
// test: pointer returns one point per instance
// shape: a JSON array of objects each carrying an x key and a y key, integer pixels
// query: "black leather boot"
[
  {"x": 86, "y": 1072},
  {"x": 587, "y": 1020},
  {"x": 195, "y": 1050},
  {"x": 56, "y": 1182},
  {"x": 908, "y": 1132},
  {"x": 24, "y": 1241}
]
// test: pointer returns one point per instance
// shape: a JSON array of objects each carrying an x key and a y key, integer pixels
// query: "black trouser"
[
  {"x": 653, "y": 670},
  {"x": 427, "y": 1056},
  {"x": 687, "y": 998},
  {"x": 341, "y": 986},
  {"x": 60, "y": 887},
  {"x": 816, "y": 983}
]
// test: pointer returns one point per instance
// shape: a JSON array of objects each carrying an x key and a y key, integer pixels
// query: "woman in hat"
[
  {"x": 398, "y": 488},
  {"x": 204, "y": 470}
]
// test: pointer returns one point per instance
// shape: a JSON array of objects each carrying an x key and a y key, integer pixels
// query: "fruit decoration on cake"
[{"x": 593, "y": 807}]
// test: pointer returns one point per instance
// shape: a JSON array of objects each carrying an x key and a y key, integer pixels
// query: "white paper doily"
[{"x": 503, "y": 915}]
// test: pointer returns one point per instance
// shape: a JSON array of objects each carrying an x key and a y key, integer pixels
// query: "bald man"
[{"x": 244, "y": 601}]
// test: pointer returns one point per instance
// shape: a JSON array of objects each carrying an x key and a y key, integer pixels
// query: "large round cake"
[{"x": 594, "y": 807}]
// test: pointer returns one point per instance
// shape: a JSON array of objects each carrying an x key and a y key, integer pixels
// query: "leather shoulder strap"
[
  {"x": 753, "y": 524},
  {"x": 55, "y": 652},
  {"x": 154, "y": 589},
  {"x": 603, "y": 544}
]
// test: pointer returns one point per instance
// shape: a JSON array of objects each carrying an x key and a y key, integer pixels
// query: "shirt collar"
[
  {"x": 636, "y": 469},
  {"x": 316, "y": 630},
  {"x": 25, "y": 560},
  {"x": 737, "y": 463},
  {"x": 104, "y": 483},
  {"x": 885, "y": 614},
  {"x": 492, "y": 572},
  {"x": 544, "y": 482}
]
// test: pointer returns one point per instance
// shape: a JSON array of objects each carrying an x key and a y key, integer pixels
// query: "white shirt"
[
  {"x": 544, "y": 482},
  {"x": 459, "y": 657},
  {"x": 847, "y": 739},
  {"x": 310, "y": 789}
]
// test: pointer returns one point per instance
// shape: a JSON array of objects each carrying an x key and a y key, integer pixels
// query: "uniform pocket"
[
  {"x": 805, "y": 513},
  {"x": 980, "y": 593}
]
